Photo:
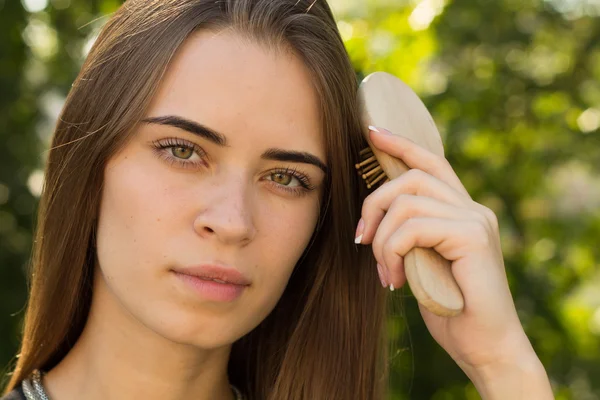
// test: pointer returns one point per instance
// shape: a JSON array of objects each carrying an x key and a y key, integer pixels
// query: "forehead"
[{"x": 242, "y": 90}]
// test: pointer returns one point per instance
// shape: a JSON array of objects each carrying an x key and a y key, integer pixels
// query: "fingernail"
[
  {"x": 391, "y": 287},
  {"x": 359, "y": 231},
  {"x": 380, "y": 130},
  {"x": 381, "y": 278}
]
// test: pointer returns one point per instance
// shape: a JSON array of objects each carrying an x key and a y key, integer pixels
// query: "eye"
[
  {"x": 284, "y": 179},
  {"x": 179, "y": 152},
  {"x": 182, "y": 152}
]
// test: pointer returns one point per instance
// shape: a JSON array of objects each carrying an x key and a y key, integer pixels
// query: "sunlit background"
[{"x": 514, "y": 87}]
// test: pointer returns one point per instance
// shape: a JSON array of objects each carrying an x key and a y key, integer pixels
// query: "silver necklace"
[{"x": 34, "y": 389}]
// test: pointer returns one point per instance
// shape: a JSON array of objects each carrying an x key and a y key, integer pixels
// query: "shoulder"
[{"x": 16, "y": 394}]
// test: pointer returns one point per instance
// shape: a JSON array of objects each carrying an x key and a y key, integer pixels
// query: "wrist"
[{"x": 523, "y": 378}]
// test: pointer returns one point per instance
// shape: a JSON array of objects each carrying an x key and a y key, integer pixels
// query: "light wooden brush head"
[{"x": 389, "y": 103}]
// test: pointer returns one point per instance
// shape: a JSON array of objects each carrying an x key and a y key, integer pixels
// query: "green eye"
[
  {"x": 182, "y": 152},
  {"x": 179, "y": 152},
  {"x": 282, "y": 179}
]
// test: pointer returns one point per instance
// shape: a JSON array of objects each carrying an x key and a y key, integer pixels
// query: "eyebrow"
[{"x": 220, "y": 140}]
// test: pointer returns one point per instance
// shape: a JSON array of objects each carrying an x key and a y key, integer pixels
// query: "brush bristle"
[{"x": 369, "y": 168}]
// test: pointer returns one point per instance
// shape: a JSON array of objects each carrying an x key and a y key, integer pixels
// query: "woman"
[{"x": 195, "y": 232}]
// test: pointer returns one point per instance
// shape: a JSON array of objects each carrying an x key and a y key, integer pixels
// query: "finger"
[
  {"x": 416, "y": 156},
  {"x": 395, "y": 276},
  {"x": 452, "y": 239},
  {"x": 413, "y": 182},
  {"x": 406, "y": 207}
]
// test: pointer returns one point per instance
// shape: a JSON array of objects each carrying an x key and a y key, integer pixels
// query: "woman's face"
[{"x": 245, "y": 198}]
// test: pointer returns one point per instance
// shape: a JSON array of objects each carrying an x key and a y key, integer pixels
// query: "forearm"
[{"x": 524, "y": 380}]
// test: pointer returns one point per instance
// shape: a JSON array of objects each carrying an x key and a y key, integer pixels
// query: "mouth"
[
  {"x": 216, "y": 273},
  {"x": 213, "y": 282},
  {"x": 211, "y": 289}
]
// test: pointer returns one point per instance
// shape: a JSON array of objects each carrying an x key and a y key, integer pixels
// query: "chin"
[{"x": 190, "y": 329}]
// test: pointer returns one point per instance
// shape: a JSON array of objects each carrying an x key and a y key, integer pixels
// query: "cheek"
[
  {"x": 133, "y": 217},
  {"x": 285, "y": 233},
  {"x": 288, "y": 231}
]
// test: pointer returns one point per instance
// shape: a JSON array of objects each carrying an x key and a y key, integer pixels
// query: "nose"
[{"x": 226, "y": 213}]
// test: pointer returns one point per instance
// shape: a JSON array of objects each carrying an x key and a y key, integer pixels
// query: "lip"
[
  {"x": 209, "y": 272},
  {"x": 201, "y": 280}
]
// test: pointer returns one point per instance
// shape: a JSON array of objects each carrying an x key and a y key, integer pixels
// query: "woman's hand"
[{"x": 429, "y": 207}]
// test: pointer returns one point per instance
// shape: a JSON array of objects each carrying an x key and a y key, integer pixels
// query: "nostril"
[{"x": 206, "y": 228}]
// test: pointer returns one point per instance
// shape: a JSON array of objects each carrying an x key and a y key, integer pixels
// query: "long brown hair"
[{"x": 325, "y": 338}]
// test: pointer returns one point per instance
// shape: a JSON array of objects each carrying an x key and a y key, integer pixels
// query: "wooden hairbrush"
[{"x": 387, "y": 102}]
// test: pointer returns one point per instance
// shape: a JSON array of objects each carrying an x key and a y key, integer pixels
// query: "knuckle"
[
  {"x": 367, "y": 202},
  {"x": 415, "y": 174},
  {"x": 479, "y": 217},
  {"x": 414, "y": 178},
  {"x": 491, "y": 217},
  {"x": 388, "y": 247},
  {"x": 479, "y": 232},
  {"x": 412, "y": 224},
  {"x": 403, "y": 202},
  {"x": 376, "y": 243},
  {"x": 488, "y": 215}
]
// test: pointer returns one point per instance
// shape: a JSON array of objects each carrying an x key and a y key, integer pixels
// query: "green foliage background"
[{"x": 514, "y": 87}]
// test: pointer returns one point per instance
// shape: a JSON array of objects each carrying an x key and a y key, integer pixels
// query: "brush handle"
[{"x": 389, "y": 103}]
